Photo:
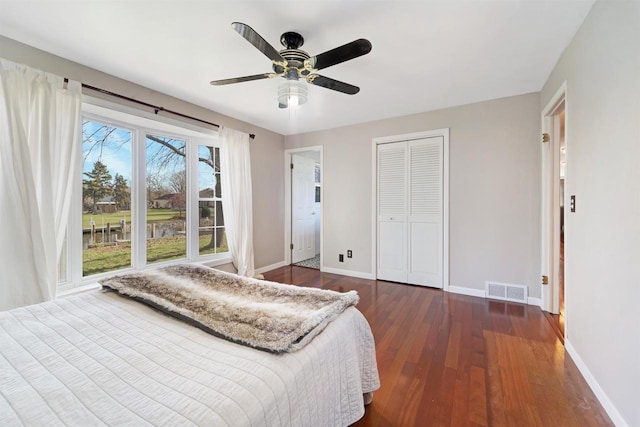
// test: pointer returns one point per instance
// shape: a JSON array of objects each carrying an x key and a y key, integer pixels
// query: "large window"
[{"x": 148, "y": 193}]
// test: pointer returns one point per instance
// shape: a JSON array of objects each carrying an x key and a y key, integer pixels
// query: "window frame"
[{"x": 139, "y": 124}]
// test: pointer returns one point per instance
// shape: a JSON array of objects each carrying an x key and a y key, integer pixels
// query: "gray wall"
[
  {"x": 494, "y": 189},
  {"x": 267, "y": 162},
  {"x": 602, "y": 262}
]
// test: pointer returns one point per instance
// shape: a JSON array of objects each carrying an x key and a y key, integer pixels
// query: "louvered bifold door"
[
  {"x": 425, "y": 221},
  {"x": 392, "y": 212}
]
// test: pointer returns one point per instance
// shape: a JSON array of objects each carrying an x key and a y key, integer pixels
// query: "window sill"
[
  {"x": 71, "y": 290},
  {"x": 92, "y": 282},
  {"x": 213, "y": 262}
]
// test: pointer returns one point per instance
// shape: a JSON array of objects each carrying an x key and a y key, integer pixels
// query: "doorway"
[
  {"x": 304, "y": 207},
  {"x": 554, "y": 185}
]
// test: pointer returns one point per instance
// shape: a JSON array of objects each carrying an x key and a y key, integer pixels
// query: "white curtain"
[
  {"x": 235, "y": 165},
  {"x": 40, "y": 125}
]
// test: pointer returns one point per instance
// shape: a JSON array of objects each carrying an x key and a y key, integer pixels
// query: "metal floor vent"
[{"x": 506, "y": 292}]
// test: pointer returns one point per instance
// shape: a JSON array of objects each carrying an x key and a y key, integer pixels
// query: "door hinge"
[
  {"x": 291, "y": 246},
  {"x": 545, "y": 137},
  {"x": 291, "y": 165},
  {"x": 545, "y": 280}
]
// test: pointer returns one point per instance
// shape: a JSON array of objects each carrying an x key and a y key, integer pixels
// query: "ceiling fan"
[{"x": 294, "y": 64}]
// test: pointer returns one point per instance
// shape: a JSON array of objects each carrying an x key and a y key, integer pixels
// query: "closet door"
[
  {"x": 425, "y": 221},
  {"x": 392, "y": 212},
  {"x": 410, "y": 211}
]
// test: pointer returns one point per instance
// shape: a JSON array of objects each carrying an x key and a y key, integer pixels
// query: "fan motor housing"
[{"x": 295, "y": 59}]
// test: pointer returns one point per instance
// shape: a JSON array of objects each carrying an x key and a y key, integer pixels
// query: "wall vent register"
[{"x": 506, "y": 292}]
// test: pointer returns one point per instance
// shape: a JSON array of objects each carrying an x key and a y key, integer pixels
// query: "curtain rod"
[{"x": 156, "y": 109}]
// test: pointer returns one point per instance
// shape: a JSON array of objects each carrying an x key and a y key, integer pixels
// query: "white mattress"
[{"x": 100, "y": 359}]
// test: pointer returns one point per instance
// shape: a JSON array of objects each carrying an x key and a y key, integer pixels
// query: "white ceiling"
[{"x": 426, "y": 54}]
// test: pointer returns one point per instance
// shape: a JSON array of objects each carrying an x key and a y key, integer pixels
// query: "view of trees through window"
[
  {"x": 106, "y": 198},
  {"x": 166, "y": 199},
  {"x": 108, "y": 208},
  {"x": 212, "y": 237}
]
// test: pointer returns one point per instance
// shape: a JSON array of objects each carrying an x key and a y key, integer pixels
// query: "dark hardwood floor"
[{"x": 453, "y": 360}]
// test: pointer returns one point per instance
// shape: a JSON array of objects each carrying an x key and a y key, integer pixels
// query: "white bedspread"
[{"x": 100, "y": 359}]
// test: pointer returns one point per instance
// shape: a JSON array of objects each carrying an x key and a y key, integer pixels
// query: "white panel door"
[
  {"x": 303, "y": 197},
  {"x": 425, "y": 211},
  {"x": 392, "y": 212}
]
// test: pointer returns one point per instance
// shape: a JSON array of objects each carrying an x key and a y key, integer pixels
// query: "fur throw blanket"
[{"x": 265, "y": 315}]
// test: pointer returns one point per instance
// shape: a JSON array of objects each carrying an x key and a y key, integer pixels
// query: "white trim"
[
  {"x": 410, "y": 136},
  {"x": 445, "y": 213},
  {"x": 444, "y": 133},
  {"x": 550, "y": 294},
  {"x": 467, "y": 291},
  {"x": 350, "y": 273},
  {"x": 124, "y": 113},
  {"x": 534, "y": 301},
  {"x": 77, "y": 289},
  {"x": 555, "y": 100},
  {"x": 69, "y": 287},
  {"x": 287, "y": 198},
  {"x": 602, "y": 397},
  {"x": 271, "y": 267},
  {"x": 374, "y": 209},
  {"x": 212, "y": 263}
]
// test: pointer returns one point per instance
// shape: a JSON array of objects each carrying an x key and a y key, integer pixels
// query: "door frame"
[
  {"x": 444, "y": 133},
  {"x": 287, "y": 199},
  {"x": 550, "y": 205}
]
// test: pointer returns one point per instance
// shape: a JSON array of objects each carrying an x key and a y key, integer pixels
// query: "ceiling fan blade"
[
  {"x": 256, "y": 39},
  {"x": 243, "y": 79},
  {"x": 318, "y": 80},
  {"x": 340, "y": 54}
]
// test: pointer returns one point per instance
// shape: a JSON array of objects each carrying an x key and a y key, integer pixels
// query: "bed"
[{"x": 98, "y": 358}]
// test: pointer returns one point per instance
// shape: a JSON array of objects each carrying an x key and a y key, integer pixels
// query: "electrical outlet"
[
  {"x": 341, "y": 258},
  {"x": 349, "y": 254}
]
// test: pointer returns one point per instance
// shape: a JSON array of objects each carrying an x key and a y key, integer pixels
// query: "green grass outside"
[
  {"x": 110, "y": 258},
  {"x": 106, "y": 258},
  {"x": 153, "y": 215}
]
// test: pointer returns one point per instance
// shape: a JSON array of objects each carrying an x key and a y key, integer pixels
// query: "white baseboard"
[
  {"x": 466, "y": 291},
  {"x": 270, "y": 267},
  {"x": 480, "y": 293},
  {"x": 534, "y": 301},
  {"x": 595, "y": 387},
  {"x": 350, "y": 273}
]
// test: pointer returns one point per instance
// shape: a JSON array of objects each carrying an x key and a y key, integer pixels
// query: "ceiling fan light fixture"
[
  {"x": 292, "y": 93},
  {"x": 294, "y": 64}
]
